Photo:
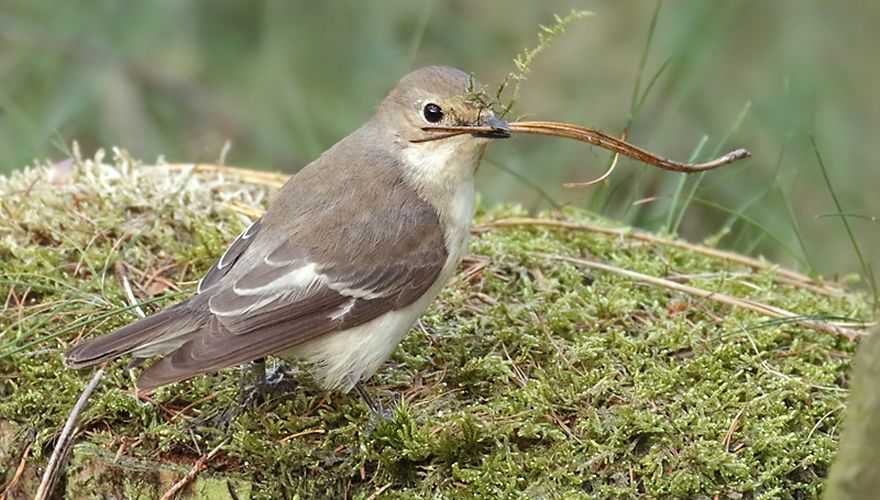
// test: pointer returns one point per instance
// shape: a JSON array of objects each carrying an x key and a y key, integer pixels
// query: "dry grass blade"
[
  {"x": 602, "y": 177},
  {"x": 752, "y": 305},
  {"x": 596, "y": 138},
  {"x": 251, "y": 176},
  {"x": 243, "y": 209},
  {"x": 783, "y": 275}
]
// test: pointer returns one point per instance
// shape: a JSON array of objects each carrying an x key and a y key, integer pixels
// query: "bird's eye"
[{"x": 432, "y": 113}]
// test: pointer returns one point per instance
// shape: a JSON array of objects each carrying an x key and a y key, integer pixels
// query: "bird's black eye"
[{"x": 432, "y": 113}]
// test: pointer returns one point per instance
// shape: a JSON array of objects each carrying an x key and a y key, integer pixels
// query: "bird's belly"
[{"x": 341, "y": 359}]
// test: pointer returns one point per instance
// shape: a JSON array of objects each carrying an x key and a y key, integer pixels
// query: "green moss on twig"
[
  {"x": 526, "y": 377},
  {"x": 505, "y": 97}
]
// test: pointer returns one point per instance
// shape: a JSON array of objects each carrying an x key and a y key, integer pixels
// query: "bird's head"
[{"x": 435, "y": 118}]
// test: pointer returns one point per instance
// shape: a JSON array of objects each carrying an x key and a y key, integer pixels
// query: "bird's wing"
[
  {"x": 347, "y": 266},
  {"x": 229, "y": 257}
]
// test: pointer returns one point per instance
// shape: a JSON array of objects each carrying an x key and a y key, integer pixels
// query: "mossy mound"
[{"x": 529, "y": 376}]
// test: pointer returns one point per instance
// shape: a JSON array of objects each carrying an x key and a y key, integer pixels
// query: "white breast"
[{"x": 341, "y": 359}]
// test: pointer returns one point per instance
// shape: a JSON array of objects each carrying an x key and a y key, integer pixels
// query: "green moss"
[{"x": 527, "y": 376}]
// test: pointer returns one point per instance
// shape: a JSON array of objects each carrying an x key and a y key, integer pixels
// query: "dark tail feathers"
[{"x": 128, "y": 338}]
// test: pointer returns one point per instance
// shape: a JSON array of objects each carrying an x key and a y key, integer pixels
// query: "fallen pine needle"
[
  {"x": 197, "y": 467},
  {"x": 301, "y": 433},
  {"x": 18, "y": 472},
  {"x": 733, "y": 425},
  {"x": 379, "y": 492}
]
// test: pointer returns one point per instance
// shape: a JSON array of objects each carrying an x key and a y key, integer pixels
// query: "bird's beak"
[
  {"x": 499, "y": 128},
  {"x": 490, "y": 127}
]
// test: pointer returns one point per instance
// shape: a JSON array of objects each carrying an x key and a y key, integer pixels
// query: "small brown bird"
[{"x": 346, "y": 258}]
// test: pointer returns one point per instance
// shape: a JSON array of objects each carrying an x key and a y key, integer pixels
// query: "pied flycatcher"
[{"x": 348, "y": 255}]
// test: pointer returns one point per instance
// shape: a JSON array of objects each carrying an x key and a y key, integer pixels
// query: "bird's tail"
[{"x": 156, "y": 334}]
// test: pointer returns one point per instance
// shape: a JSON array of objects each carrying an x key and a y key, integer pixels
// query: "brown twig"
[
  {"x": 18, "y": 472},
  {"x": 197, "y": 467},
  {"x": 752, "y": 305},
  {"x": 594, "y": 137}
]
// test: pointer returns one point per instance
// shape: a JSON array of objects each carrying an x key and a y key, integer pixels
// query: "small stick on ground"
[
  {"x": 50, "y": 476},
  {"x": 758, "y": 307},
  {"x": 197, "y": 467},
  {"x": 62, "y": 446}
]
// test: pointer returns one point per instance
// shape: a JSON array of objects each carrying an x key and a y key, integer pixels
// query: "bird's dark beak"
[{"x": 500, "y": 128}]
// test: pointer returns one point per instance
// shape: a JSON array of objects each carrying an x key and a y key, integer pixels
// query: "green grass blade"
[
  {"x": 601, "y": 195},
  {"x": 866, "y": 269},
  {"x": 792, "y": 219},
  {"x": 752, "y": 222},
  {"x": 870, "y": 218},
  {"x": 83, "y": 322},
  {"x": 526, "y": 182},
  {"x": 679, "y": 188},
  {"x": 693, "y": 191}
]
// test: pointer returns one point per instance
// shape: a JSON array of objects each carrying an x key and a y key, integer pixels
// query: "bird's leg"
[
  {"x": 261, "y": 382},
  {"x": 375, "y": 409},
  {"x": 252, "y": 376}
]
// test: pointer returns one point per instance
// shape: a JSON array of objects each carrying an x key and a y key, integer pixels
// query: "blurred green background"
[{"x": 282, "y": 81}]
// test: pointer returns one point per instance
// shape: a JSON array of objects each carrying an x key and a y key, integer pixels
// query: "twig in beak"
[{"x": 595, "y": 138}]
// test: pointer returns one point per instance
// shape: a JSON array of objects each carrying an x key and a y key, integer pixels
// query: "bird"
[{"x": 347, "y": 256}]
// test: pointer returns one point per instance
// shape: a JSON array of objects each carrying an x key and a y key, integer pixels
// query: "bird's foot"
[
  {"x": 256, "y": 386},
  {"x": 269, "y": 383}
]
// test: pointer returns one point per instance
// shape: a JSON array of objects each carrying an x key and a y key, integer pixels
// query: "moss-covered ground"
[{"x": 527, "y": 377}]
